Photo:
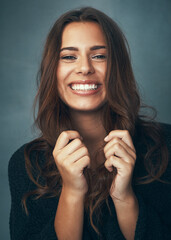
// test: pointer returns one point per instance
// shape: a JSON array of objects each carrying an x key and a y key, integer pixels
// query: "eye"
[
  {"x": 68, "y": 58},
  {"x": 99, "y": 57}
]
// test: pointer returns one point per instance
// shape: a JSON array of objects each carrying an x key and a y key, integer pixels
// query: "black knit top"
[{"x": 154, "y": 220}]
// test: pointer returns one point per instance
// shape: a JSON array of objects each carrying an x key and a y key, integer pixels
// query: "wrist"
[
  {"x": 130, "y": 205},
  {"x": 72, "y": 195},
  {"x": 127, "y": 212},
  {"x": 127, "y": 199}
]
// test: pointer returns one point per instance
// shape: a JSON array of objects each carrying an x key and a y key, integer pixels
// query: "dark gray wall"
[{"x": 24, "y": 25}]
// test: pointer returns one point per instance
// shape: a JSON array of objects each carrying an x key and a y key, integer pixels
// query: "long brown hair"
[{"x": 122, "y": 111}]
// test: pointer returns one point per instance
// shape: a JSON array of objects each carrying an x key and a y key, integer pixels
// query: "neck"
[{"x": 89, "y": 125}]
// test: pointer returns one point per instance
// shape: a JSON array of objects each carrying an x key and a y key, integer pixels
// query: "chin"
[{"x": 87, "y": 108}]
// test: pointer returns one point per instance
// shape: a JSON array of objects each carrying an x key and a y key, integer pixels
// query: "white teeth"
[{"x": 84, "y": 87}]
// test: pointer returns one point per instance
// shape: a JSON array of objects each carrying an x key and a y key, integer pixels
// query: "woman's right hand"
[{"x": 71, "y": 157}]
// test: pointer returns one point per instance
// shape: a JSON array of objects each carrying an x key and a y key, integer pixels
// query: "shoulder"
[
  {"x": 166, "y": 127},
  {"x": 17, "y": 160},
  {"x": 149, "y": 131},
  {"x": 152, "y": 138},
  {"x": 17, "y": 174},
  {"x": 166, "y": 130}
]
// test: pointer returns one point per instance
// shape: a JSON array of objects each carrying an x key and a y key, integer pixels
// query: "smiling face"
[{"x": 82, "y": 66}]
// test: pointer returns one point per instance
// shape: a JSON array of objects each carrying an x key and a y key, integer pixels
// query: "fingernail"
[{"x": 106, "y": 138}]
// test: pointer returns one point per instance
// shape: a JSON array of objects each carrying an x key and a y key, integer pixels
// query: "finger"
[
  {"x": 70, "y": 148},
  {"x": 122, "y": 134},
  {"x": 78, "y": 154},
  {"x": 123, "y": 168},
  {"x": 65, "y": 137},
  {"x": 116, "y": 140},
  {"x": 83, "y": 163},
  {"x": 119, "y": 151}
]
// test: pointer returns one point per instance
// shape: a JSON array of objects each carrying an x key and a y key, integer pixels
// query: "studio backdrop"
[{"x": 24, "y": 26}]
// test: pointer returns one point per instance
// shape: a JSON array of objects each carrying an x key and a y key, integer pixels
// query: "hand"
[
  {"x": 71, "y": 158},
  {"x": 120, "y": 154}
]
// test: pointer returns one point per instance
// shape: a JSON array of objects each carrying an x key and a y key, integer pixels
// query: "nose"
[{"x": 85, "y": 66}]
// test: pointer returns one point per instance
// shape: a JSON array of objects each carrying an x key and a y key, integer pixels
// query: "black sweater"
[{"x": 154, "y": 220}]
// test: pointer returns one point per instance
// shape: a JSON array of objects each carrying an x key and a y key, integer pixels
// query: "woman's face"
[{"x": 82, "y": 66}]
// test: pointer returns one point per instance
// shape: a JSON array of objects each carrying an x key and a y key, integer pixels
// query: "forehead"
[{"x": 82, "y": 33}]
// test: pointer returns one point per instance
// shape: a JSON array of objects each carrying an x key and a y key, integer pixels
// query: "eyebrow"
[{"x": 76, "y": 49}]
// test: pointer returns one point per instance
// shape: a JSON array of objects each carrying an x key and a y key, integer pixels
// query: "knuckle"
[
  {"x": 78, "y": 141},
  {"x": 65, "y": 164},
  {"x": 111, "y": 158},
  {"x": 116, "y": 139},
  {"x": 106, "y": 154},
  {"x": 130, "y": 166},
  {"x": 58, "y": 156},
  {"x": 87, "y": 159},
  {"x": 72, "y": 170},
  {"x": 106, "y": 163},
  {"x": 134, "y": 156},
  {"x": 64, "y": 134},
  {"x": 129, "y": 160},
  {"x": 126, "y": 132},
  {"x": 112, "y": 132},
  {"x": 104, "y": 150},
  {"x": 85, "y": 151},
  {"x": 55, "y": 154},
  {"x": 117, "y": 146}
]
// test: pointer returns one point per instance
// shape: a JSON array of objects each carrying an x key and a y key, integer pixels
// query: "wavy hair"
[{"x": 122, "y": 111}]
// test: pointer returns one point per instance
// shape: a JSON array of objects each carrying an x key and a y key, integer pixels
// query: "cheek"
[
  {"x": 101, "y": 69},
  {"x": 101, "y": 73},
  {"x": 63, "y": 72},
  {"x": 60, "y": 73},
  {"x": 60, "y": 76},
  {"x": 63, "y": 76}
]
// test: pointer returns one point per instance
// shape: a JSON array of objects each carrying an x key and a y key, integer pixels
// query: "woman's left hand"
[{"x": 120, "y": 154}]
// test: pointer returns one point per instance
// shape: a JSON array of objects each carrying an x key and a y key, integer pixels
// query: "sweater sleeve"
[
  {"x": 110, "y": 227},
  {"x": 152, "y": 224},
  {"x": 154, "y": 199},
  {"x": 38, "y": 224},
  {"x": 154, "y": 221}
]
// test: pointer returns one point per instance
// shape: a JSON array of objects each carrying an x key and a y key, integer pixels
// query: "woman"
[{"x": 98, "y": 170}]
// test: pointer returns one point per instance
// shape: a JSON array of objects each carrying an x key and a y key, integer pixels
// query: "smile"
[{"x": 84, "y": 87}]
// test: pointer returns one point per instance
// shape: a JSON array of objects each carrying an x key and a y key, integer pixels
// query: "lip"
[
  {"x": 88, "y": 92},
  {"x": 85, "y": 82}
]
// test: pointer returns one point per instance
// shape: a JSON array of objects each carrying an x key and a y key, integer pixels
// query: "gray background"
[{"x": 24, "y": 25}]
